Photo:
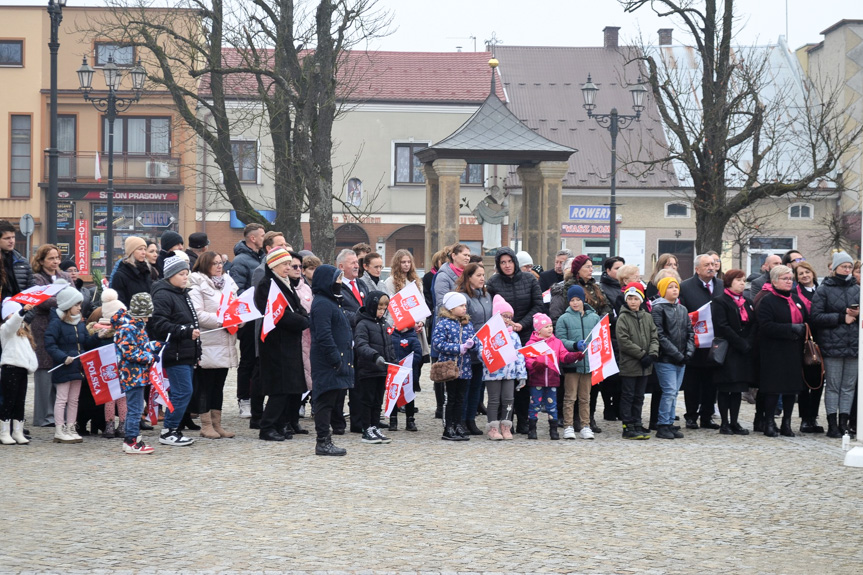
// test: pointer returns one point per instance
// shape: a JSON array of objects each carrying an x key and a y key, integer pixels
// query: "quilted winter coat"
[
  {"x": 449, "y": 333},
  {"x": 332, "y": 354},
  {"x": 833, "y": 296},
  {"x": 135, "y": 351},
  {"x": 520, "y": 290},
  {"x": 218, "y": 348}
]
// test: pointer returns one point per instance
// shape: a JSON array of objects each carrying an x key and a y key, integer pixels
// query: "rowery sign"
[{"x": 589, "y": 213}]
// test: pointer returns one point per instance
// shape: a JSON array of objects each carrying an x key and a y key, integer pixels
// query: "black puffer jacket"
[
  {"x": 130, "y": 279},
  {"x": 674, "y": 328},
  {"x": 520, "y": 290},
  {"x": 610, "y": 287},
  {"x": 21, "y": 276},
  {"x": 372, "y": 338},
  {"x": 245, "y": 262},
  {"x": 174, "y": 314},
  {"x": 833, "y": 296}
]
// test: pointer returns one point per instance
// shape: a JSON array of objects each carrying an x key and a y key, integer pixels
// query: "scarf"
[
  {"x": 218, "y": 282},
  {"x": 456, "y": 269},
  {"x": 796, "y": 315},
  {"x": 740, "y": 301},
  {"x": 806, "y": 301}
]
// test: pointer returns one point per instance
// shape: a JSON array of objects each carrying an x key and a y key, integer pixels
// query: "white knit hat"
[
  {"x": 454, "y": 299},
  {"x": 68, "y": 297},
  {"x": 111, "y": 303},
  {"x": 9, "y": 307}
]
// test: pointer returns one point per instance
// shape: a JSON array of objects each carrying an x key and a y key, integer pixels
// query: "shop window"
[
  {"x": 800, "y": 212},
  {"x": 122, "y": 55},
  {"x": 676, "y": 210},
  {"x": 21, "y": 164},
  {"x": 245, "y": 160},
  {"x": 141, "y": 136},
  {"x": 12, "y": 53}
]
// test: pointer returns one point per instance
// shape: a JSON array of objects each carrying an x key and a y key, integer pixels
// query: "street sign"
[{"x": 27, "y": 225}]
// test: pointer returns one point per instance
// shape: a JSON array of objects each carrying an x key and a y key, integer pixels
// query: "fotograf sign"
[{"x": 589, "y": 213}]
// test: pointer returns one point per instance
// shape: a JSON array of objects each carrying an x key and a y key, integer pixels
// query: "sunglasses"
[{"x": 297, "y": 267}]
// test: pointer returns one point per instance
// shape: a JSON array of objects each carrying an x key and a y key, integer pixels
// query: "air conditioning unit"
[{"x": 158, "y": 170}]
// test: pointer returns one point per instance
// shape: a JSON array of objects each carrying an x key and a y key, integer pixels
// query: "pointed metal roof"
[{"x": 493, "y": 135}]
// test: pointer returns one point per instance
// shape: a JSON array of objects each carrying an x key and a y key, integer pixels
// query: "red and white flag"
[
  {"x": 226, "y": 299},
  {"x": 38, "y": 294},
  {"x": 398, "y": 375},
  {"x": 159, "y": 382},
  {"x": 240, "y": 310},
  {"x": 540, "y": 348},
  {"x": 276, "y": 306},
  {"x": 497, "y": 351},
  {"x": 408, "y": 307},
  {"x": 702, "y": 325},
  {"x": 599, "y": 353},
  {"x": 103, "y": 375},
  {"x": 546, "y": 296}
]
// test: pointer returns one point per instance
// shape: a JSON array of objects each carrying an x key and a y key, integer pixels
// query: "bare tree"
[
  {"x": 840, "y": 231},
  {"x": 739, "y": 136},
  {"x": 745, "y": 225}
]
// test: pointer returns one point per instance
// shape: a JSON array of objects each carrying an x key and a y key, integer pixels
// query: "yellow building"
[{"x": 154, "y": 154}]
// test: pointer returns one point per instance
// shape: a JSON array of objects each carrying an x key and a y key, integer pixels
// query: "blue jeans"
[
  {"x": 474, "y": 392},
  {"x": 670, "y": 379},
  {"x": 180, "y": 393},
  {"x": 135, "y": 406}
]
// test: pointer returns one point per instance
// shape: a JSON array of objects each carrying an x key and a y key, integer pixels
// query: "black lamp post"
[
  {"x": 614, "y": 122},
  {"x": 55, "y": 13},
  {"x": 111, "y": 105}
]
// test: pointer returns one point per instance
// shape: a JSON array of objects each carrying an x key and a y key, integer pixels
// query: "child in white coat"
[{"x": 18, "y": 360}]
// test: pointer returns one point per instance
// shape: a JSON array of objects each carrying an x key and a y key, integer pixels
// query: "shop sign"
[
  {"x": 584, "y": 230},
  {"x": 82, "y": 250},
  {"x": 590, "y": 213},
  {"x": 65, "y": 215},
  {"x": 121, "y": 196},
  {"x": 155, "y": 219}
]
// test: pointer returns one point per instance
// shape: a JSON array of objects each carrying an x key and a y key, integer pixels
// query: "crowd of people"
[{"x": 329, "y": 348}]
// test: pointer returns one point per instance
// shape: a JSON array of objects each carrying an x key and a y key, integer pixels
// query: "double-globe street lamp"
[
  {"x": 55, "y": 13},
  {"x": 613, "y": 122},
  {"x": 111, "y": 105}
]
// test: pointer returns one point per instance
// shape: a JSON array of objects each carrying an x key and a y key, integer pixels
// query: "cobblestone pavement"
[{"x": 707, "y": 503}]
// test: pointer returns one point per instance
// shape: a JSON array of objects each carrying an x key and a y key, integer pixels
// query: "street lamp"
[
  {"x": 55, "y": 13},
  {"x": 111, "y": 105},
  {"x": 614, "y": 122}
]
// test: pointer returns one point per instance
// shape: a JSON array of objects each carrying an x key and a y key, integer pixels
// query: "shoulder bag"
[
  {"x": 718, "y": 351},
  {"x": 443, "y": 371},
  {"x": 812, "y": 358}
]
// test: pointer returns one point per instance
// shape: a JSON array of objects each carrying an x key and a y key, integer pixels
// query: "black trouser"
[
  {"x": 324, "y": 404},
  {"x": 337, "y": 413},
  {"x": 454, "y": 408},
  {"x": 771, "y": 400},
  {"x": 248, "y": 360},
  {"x": 256, "y": 394},
  {"x": 809, "y": 400},
  {"x": 632, "y": 399},
  {"x": 699, "y": 392},
  {"x": 88, "y": 411},
  {"x": 281, "y": 410},
  {"x": 13, "y": 382},
  {"x": 368, "y": 396},
  {"x": 655, "y": 398},
  {"x": 611, "y": 397},
  {"x": 520, "y": 404},
  {"x": 211, "y": 386},
  {"x": 729, "y": 406}
]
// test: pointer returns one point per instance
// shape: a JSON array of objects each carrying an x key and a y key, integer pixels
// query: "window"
[
  {"x": 21, "y": 156},
  {"x": 800, "y": 212},
  {"x": 123, "y": 55},
  {"x": 408, "y": 169},
  {"x": 676, "y": 210},
  {"x": 473, "y": 174},
  {"x": 761, "y": 247},
  {"x": 245, "y": 160},
  {"x": 66, "y": 138},
  {"x": 11, "y": 52},
  {"x": 132, "y": 135}
]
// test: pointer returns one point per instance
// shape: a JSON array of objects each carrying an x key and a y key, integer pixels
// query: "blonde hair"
[
  {"x": 660, "y": 265},
  {"x": 400, "y": 279},
  {"x": 627, "y": 271},
  {"x": 665, "y": 273}
]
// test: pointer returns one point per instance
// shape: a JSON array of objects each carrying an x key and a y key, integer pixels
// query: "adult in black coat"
[
  {"x": 781, "y": 331},
  {"x": 809, "y": 400},
  {"x": 734, "y": 321},
  {"x": 280, "y": 354},
  {"x": 348, "y": 263},
  {"x": 332, "y": 354},
  {"x": 550, "y": 277},
  {"x": 18, "y": 275},
  {"x": 374, "y": 349},
  {"x": 699, "y": 390},
  {"x": 134, "y": 273}
]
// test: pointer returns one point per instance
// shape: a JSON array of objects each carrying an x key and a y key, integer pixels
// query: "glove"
[
  {"x": 469, "y": 344},
  {"x": 580, "y": 345},
  {"x": 646, "y": 361},
  {"x": 381, "y": 362},
  {"x": 521, "y": 384},
  {"x": 579, "y": 355},
  {"x": 799, "y": 330},
  {"x": 69, "y": 360},
  {"x": 462, "y": 349}
]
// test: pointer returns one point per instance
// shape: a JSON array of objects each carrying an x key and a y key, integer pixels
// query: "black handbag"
[{"x": 718, "y": 351}]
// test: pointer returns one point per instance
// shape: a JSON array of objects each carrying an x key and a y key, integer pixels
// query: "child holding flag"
[
  {"x": 18, "y": 360},
  {"x": 135, "y": 354},
  {"x": 452, "y": 338},
  {"x": 543, "y": 374},
  {"x": 501, "y": 383},
  {"x": 373, "y": 346}
]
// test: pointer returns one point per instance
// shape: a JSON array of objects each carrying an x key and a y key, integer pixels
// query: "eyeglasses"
[
  {"x": 297, "y": 267},
  {"x": 798, "y": 260},
  {"x": 218, "y": 263}
]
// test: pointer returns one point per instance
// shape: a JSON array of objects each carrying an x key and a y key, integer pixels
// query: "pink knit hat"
[
  {"x": 540, "y": 320},
  {"x": 499, "y": 305}
]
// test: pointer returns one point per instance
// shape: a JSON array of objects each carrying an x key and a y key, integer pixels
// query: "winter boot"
[
  {"x": 630, "y": 432},
  {"x": 785, "y": 430},
  {"x": 552, "y": 430},
  {"x": 394, "y": 423},
  {"x": 770, "y": 427},
  {"x": 411, "y": 424},
  {"x": 845, "y": 423},
  {"x": 472, "y": 428},
  {"x": 522, "y": 427},
  {"x": 216, "y": 419},
  {"x": 506, "y": 430},
  {"x": 109, "y": 430},
  {"x": 120, "y": 430},
  {"x": 664, "y": 432},
  {"x": 5, "y": 432},
  {"x": 462, "y": 431},
  {"x": 18, "y": 432},
  {"x": 832, "y": 426},
  {"x": 493, "y": 429},
  {"x": 72, "y": 431},
  {"x": 531, "y": 429},
  {"x": 450, "y": 434},
  {"x": 60, "y": 435},
  {"x": 207, "y": 427},
  {"x": 815, "y": 427},
  {"x": 593, "y": 426},
  {"x": 324, "y": 446},
  {"x": 758, "y": 423}
]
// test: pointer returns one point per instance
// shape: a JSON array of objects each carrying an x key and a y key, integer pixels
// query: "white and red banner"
[
  {"x": 702, "y": 325},
  {"x": 236, "y": 310},
  {"x": 400, "y": 387},
  {"x": 276, "y": 305},
  {"x": 497, "y": 350},
  {"x": 82, "y": 246},
  {"x": 38, "y": 294},
  {"x": 408, "y": 307},
  {"x": 599, "y": 352},
  {"x": 546, "y": 296},
  {"x": 97, "y": 168},
  {"x": 159, "y": 382},
  {"x": 103, "y": 375},
  {"x": 538, "y": 349}
]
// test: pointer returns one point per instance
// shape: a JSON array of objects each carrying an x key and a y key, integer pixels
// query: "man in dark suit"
[
  {"x": 353, "y": 294},
  {"x": 699, "y": 391}
]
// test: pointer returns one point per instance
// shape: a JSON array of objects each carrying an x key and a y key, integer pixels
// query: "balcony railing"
[{"x": 128, "y": 168}]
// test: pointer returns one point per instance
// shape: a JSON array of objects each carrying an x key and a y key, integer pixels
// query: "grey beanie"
[
  {"x": 173, "y": 266},
  {"x": 840, "y": 258},
  {"x": 68, "y": 296}
]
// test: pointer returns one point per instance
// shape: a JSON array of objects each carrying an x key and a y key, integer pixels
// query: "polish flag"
[
  {"x": 546, "y": 296},
  {"x": 38, "y": 294},
  {"x": 407, "y": 395},
  {"x": 702, "y": 325},
  {"x": 538, "y": 349},
  {"x": 226, "y": 299},
  {"x": 397, "y": 376},
  {"x": 497, "y": 351},
  {"x": 408, "y": 307},
  {"x": 276, "y": 305},
  {"x": 159, "y": 382},
  {"x": 103, "y": 375},
  {"x": 239, "y": 310},
  {"x": 599, "y": 353}
]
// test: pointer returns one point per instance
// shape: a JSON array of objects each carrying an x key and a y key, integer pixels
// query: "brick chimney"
[
  {"x": 610, "y": 36},
  {"x": 665, "y": 36}
]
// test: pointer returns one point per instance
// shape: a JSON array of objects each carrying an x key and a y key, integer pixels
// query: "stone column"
[
  {"x": 431, "y": 228},
  {"x": 443, "y": 196},
  {"x": 531, "y": 211},
  {"x": 552, "y": 193}
]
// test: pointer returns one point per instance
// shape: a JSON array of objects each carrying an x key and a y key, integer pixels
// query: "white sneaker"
[
  {"x": 569, "y": 433},
  {"x": 139, "y": 447},
  {"x": 245, "y": 408},
  {"x": 175, "y": 438},
  {"x": 586, "y": 433},
  {"x": 72, "y": 431}
]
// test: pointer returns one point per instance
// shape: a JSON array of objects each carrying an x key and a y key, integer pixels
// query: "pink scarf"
[
  {"x": 740, "y": 301},
  {"x": 456, "y": 269},
  {"x": 804, "y": 299},
  {"x": 796, "y": 315}
]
